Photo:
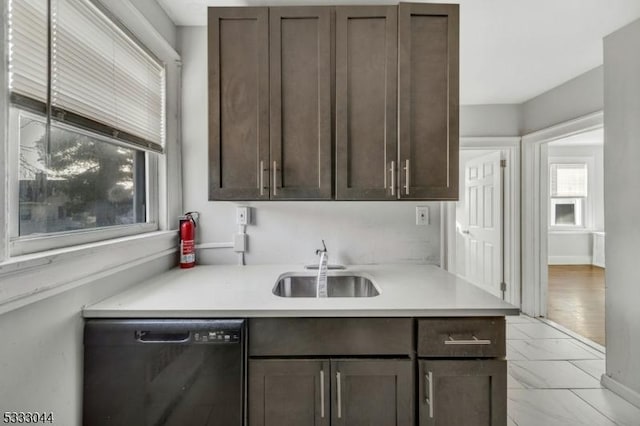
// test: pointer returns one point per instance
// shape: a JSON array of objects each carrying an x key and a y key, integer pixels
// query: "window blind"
[
  {"x": 568, "y": 180},
  {"x": 101, "y": 79},
  {"x": 28, "y": 52}
]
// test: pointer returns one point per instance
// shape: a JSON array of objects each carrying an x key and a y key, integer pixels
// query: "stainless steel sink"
[{"x": 337, "y": 286}]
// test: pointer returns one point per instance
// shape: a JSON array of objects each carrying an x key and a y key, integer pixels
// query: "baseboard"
[
  {"x": 569, "y": 260},
  {"x": 621, "y": 390}
]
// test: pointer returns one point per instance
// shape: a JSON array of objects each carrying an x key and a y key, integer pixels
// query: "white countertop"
[{"x": 208, "y": 291}]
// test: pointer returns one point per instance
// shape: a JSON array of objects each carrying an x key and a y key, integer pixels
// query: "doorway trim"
[
  {"x": 534, "y": 208},
  {"x": 510, "y": 151}
]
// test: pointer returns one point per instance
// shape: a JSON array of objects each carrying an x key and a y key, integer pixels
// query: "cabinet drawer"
[
  {"x": 462, "y": 337},
  {"x": 330, "y": 336}
]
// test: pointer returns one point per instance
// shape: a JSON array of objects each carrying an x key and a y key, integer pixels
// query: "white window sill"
[
  {"x": 31, "y": 277},
  {"x": 566, "y": 231}
]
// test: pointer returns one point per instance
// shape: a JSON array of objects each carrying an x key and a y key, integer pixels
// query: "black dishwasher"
[{"x": 164, "y": 372}]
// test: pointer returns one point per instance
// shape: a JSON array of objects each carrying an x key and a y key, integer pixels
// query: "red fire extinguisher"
[{"x": 188, "y": 240}]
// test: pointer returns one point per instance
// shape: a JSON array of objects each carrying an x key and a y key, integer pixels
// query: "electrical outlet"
[
  {"x": 422, "y": 215},
  {"x": 243, "y": 215}
]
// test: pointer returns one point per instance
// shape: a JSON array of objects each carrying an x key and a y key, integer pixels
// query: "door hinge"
[
  {"x": 503, "y": 286},
  {"x": 503, "y": 163}
]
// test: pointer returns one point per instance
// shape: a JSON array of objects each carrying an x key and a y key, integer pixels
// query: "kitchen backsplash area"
[{"x": 354, "y": 232}]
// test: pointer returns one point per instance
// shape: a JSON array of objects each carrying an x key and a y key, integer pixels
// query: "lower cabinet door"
[
  {"x": 289, "y": 392},
  {"x": 469, "y": 392},
  {"x": 372, "y": 392}
]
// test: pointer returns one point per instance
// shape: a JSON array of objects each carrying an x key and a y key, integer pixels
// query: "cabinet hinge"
[
  {"x": 503, "y": 163},
  {"x": 503, "y": 286}
]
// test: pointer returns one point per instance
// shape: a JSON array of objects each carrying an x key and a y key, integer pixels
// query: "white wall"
[
  {"x": 570, "y": 248},
  {"x": 158, "y": 18},
  {"x": 490, "y": 120},
  {"x": 289, "y": 232},
  {"x": 622, "y": 203},
  {"x": 575, "y": 98},
  {"x": 576, "y": 247}
]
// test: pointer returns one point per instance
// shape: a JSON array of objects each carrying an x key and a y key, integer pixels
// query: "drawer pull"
[{"x": 473, "y": 341}]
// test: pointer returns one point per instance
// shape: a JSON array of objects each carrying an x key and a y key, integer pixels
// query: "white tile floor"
[{"x": 554, "y": 380}]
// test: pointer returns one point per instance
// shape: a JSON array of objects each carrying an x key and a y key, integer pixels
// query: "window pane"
[
  {"x": 565, "y": 214},
  {"x": 76, "y": 182},
  {"x": 568, "y": 180}
]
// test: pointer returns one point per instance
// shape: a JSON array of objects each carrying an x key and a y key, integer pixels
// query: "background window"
[{"x": 568, "y": 194}]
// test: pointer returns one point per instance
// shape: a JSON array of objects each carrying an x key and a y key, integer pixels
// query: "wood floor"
[{"x": 576, "y": 299}]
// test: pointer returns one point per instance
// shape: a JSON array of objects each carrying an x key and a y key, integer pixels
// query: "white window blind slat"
[{"x": 568, "y": 180}]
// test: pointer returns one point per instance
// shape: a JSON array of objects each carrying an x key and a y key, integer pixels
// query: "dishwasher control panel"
[{"x": 216, "y": 336}]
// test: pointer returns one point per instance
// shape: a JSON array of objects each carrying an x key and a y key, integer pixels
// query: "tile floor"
[{"x": 554, "y": 380}]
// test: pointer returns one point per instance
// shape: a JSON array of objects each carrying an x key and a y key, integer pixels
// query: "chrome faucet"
[{"x": 321, "y": 282}]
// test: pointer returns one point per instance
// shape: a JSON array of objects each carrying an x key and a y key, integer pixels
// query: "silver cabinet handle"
[
  {"x": 275, "y": 177},
  {"x": 406, "y": 176},
  {"x": 322, "y": 394},
  {"x": 393, "y": 178},
  {"x": 261, "y": 177},
  {"x": 339, "y": 395},
  {"x": 466, "y": 232},
  {"x": 428, "y": 399},
  {"x": 474, "y": 341}
]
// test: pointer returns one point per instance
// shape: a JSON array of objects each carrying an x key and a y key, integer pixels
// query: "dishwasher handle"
[{"x": 145, "y": 336}]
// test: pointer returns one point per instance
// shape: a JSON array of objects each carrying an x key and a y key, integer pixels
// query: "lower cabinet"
[
  {"x": 314, "y": 392},
  {"x": 462, "y": 392}
]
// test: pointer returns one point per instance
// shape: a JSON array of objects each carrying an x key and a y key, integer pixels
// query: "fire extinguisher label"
[{"x": 187, "y": 251}]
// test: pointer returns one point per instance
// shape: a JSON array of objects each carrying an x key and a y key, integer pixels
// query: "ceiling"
[{"x": 510, "y": 50}]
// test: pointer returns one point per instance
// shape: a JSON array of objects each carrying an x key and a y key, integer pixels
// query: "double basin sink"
[{"x": 290, "y": 285}]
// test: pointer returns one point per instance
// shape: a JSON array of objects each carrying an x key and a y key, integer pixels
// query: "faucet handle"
[{"x": 318, "y": 251}]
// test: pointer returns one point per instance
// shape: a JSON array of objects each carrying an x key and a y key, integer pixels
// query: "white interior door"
[{"x": 483, "y": 210}]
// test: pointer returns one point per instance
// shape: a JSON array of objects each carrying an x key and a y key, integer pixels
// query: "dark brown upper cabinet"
[
  {"x": 280, "y": 76},
  {"x": 300, "y": 102},
  {"x": 238, "y": 103},
  {"x": 366, "y": 93},
  {"x": 428, "y": 100}
]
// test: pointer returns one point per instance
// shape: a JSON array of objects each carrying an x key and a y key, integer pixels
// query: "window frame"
[
  {"x": 20, "y": 245},
  {"x": 586, "y": 203}
]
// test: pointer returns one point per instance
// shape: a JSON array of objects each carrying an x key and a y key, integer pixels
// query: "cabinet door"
[
  {"x": 373, "y": 393},
  {"x": 300, "y": 123},
  {"x": 428, "y": 101},
  {"x": 366, "y": 102},
  {"x": 288, "y": 393},
  {"x": 238, "y": 103},
  {"x": 470, "y": 393}
]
